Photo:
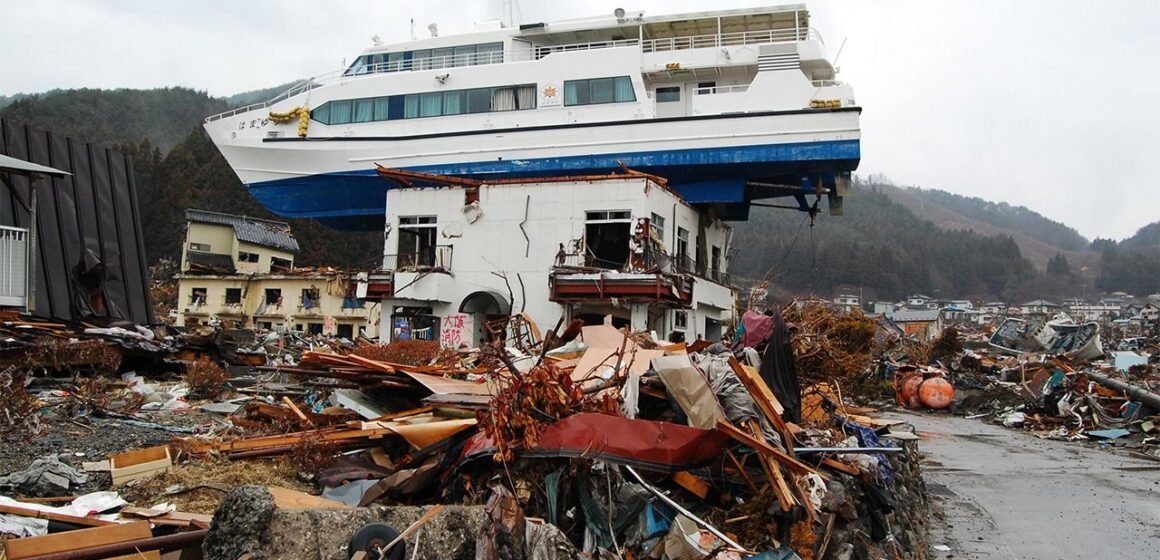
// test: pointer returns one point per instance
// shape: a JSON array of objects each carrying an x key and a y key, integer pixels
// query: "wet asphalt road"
[{"x": 1007, "y": 494}]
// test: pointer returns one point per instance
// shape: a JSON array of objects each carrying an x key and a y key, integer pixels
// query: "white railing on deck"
[
  {"x": 13, "y": 266},
  {"x": 729, "y": 39},
  {"x": 722, "y": 89}
]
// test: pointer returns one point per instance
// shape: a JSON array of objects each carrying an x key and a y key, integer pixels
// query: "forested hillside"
[
  {"x": 879, "y": 246},
  {"x": 1013, "y": 218},
  {"x": 115, "y": 117}
]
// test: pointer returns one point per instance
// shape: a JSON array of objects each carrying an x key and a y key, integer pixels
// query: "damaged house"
[
  {"x": 463, "y": 253},
  {"x": 240, "y": 270}
]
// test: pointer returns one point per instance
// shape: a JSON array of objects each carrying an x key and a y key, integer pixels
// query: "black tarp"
[{"x": 90, "y": 261}]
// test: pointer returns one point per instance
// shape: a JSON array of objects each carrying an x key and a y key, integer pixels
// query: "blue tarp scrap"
[{"x": 868, "y": 438}]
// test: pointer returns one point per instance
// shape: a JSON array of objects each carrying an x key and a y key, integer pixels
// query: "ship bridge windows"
[
  {"x": 598, "y": 90},
  {"x": 428, "y": 104},
  {"x": 668, "y": 94}
]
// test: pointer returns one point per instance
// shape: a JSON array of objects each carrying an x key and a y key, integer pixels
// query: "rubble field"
[{"x": 585, "y": 442}]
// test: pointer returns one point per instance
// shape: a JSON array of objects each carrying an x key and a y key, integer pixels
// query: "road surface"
[{"x": 1009, "y": 495}]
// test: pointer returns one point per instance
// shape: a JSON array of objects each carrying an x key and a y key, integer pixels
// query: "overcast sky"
[{"x": 1047, "y": 104}]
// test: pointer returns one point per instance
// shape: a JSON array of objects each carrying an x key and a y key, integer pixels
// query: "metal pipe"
[
  {"x": 1143, "y": 395},
  {"x": 168, "y": 542},
  {"x": 800, "y": 450},
  {"x": 685, "y": 512}
]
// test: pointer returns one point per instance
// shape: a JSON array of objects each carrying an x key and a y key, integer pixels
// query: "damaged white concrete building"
[{"x": 556, "y": 250}]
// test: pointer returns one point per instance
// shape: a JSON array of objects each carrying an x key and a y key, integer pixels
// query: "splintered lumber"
[
  {"x": 427, "y": 516},
  {"x": 781, "y": 489},
  {"x": 297, "y": 412},
  {"x": 53, "y": 516},
  {"x": 790, "y": 463},
  {"x": 765, "y": 399},
  {"x": 31, "y": 547}
]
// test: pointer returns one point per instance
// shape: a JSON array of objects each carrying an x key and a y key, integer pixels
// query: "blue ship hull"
[{"x": 356, "y": 200}]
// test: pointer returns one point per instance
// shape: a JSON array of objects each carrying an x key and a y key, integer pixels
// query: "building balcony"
[
  {"x": 643, "y": 278},
  {"x": 434, "y": 258}
]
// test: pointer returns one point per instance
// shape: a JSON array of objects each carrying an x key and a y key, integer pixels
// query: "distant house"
[
  {"x": 1040, "y": 307},
  {"x": 994, "y": 307},
  {"x": 847, "y": 302},
  {"x": 961, "y": 304},
  {"x": 884, "y": 307},
  {"x": 1150, "y": 313},
  {"x": 918, "y": 300},
  {"x": 924, "y": 324}
]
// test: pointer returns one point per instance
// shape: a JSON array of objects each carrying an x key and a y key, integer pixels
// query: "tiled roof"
[{"x": 266, "y": 233}]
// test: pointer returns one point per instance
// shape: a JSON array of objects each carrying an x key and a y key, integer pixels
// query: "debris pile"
[{"x": 591, "y": 440}]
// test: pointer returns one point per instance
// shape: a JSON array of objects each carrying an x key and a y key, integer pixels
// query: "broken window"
[
  {"x": 247, "y": 257},
  {"x": 416, "y": 241},
  {"x": 606, "y": 238},
  {"x": 680, "y": 320},
  {"x": 273, "y": 296},
  {"x": 345, "y": 330},
  {"x": 233, "y": 296},
  {"x": 201, "y": 247},
  {"x": 267, "y": 325},
  {"x": 715, "y": 263},
  {"x": 280, "y": 265},
  {"x": 683, "y": 249},
  {"x": 310, "y": 298},
  {"x": 198, "y": 296},
  {"x": 314, "y": 328},
  {"x": 657, "y": 222}
]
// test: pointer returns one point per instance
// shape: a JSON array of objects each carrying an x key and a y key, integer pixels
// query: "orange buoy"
[
  {"x": 936, "y": 392},
  {"x": 910, "y": 386}
]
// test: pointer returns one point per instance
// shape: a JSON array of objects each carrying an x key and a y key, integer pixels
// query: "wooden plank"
[
  {"x": 841, "y": 467},
  {"x": 285, "y": 498},
  {"x": 404, "y": 413},
  {"x": 694, "y": 485},
  {"x": 762, "y": 447},
  {"x": 28, "y": 547},
  {"x": 294, "y": 408},
  {"x": 781, "y": 489},
  {"x": 765, "y": 400},
  {"x": 741, "y": 471},
  {"x": 139, "y": 456},
  {"x": 53, "y": 516}
]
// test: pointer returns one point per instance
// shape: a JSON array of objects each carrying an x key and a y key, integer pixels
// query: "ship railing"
[
  {"x": 730, "y": 39},
  {"x": 430, "y": 63},
  {"x": 13, "y": 266},
  {"x": 304, "y": 85},
  {"x": 542, "y": 51},
  {"x": 739, "y": 88}
]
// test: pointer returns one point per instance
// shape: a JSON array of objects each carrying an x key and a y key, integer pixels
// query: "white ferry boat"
[{"x": 730, "y": 106}]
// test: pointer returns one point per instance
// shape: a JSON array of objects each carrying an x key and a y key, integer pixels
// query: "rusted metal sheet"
[{"x": 661, "y": 446}]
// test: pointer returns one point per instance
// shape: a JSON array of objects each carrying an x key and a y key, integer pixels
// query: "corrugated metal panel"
[{"x": 86, "y": 222}]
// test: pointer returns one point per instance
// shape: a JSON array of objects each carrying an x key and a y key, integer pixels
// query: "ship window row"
[
  {"x": 431, "y": 104},
  {"x": 427, "y": 59},
  {"x": 598, "y": 90}
]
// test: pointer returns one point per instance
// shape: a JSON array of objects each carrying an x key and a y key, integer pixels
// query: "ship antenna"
[
  {"x": 413, "y": 29},
  {"x": 507, "y": 13},
  {"x": 839, "y": 55}
]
